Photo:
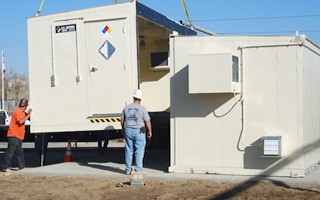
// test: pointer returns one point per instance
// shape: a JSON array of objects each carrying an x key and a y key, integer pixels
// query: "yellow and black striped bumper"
[{"x": 105, "y": 120}]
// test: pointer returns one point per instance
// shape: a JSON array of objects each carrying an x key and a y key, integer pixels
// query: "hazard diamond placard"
[{"x": 107, "y": 49}]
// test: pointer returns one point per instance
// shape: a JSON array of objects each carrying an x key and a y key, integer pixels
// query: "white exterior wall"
[
  {"x": 310, "y": 97},
  {"x": 212, "y": 133}
]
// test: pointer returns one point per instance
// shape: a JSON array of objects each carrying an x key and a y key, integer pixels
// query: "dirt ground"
[{"x": 14, "y": 186}]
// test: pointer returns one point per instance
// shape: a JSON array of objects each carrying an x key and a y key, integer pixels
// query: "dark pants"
[
  {"x": 102, "y": 135},
  {"x": 14, "y": 147}
]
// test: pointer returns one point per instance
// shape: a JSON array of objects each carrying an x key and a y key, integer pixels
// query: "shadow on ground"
[{"x": 154, "y": 159}]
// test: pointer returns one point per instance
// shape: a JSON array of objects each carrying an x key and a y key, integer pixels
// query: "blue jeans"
[
  {"x": 14, "y": 147},
  {"x": 135, "y": 145}
]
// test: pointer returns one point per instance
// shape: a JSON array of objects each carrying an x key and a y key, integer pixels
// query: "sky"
[{"x": 224, "y": 17}]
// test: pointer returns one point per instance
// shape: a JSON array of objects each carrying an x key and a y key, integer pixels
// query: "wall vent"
[{"x": 272, "y": 146}]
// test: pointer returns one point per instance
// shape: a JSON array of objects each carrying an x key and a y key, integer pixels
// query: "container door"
[
  {"x": 107, "y": 62},
  {"x": 65, "y": 73}
]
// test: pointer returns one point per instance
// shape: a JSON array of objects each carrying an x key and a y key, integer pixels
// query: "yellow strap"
[
  {"x": 117, "y": 1},
  {"x": 186, "y": 11}
]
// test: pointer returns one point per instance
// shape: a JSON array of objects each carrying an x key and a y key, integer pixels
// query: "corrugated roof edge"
[{"x": 162, "y": 20}]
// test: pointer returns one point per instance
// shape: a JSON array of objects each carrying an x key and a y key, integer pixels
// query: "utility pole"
[{"x": 2, "y": 79}]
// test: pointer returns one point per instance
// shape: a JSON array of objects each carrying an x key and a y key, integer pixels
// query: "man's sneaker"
[
  {"x": 128, "y": 173},
  {"x": 7, "y": 170}
]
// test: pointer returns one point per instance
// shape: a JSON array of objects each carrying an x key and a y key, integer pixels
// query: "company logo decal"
[{"x": 66, "y": 28}]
